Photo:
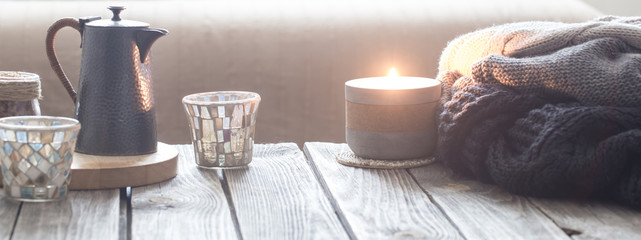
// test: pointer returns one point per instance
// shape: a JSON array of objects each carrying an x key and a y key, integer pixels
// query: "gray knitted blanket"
[{"x": 546, "y": 109}]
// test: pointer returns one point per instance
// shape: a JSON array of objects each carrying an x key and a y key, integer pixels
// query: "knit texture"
[{"x": 546, "y": 109}]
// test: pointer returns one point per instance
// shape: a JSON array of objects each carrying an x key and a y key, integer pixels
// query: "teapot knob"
[{"x": 116, "y": 11}]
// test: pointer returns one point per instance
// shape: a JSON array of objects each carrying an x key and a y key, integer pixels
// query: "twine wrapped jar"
[{"x": 19, "y": 93}]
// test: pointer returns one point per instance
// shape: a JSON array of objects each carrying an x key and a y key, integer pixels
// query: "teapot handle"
[{"x": 51, "y": 53}]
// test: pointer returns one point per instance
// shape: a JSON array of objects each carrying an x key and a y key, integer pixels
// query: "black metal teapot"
[{"x": 114, "y": 102}]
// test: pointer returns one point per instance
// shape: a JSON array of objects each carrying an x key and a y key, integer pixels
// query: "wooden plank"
[
  {"x": 278, "y": 197},
  {"x": 190, "y": 206},
  {"x": 483, "y": 211},
  {"x": 379, "y": 203},
  {"x": 592, "y": 220},
  {"x": 82, "y": 215},
  {"x": 8, "y": 213}
]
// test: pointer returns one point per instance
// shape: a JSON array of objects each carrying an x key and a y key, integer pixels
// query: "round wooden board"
[{"x": 101, "y": 172}]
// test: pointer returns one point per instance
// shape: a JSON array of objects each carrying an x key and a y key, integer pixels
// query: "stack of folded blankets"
[{"x": 546, "y": 109}]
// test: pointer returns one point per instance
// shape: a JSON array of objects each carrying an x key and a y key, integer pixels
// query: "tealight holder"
[
  {"x": 222, "y": 127},
  {"x": 36, "y": 154},
  {"x": 391, "y": 118}
]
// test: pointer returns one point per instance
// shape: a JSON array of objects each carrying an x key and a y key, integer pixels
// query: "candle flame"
[{"x": 392, "y": 73}]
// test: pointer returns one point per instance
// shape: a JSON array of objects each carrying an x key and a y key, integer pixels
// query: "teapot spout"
[{"x": 145, "y": 38}]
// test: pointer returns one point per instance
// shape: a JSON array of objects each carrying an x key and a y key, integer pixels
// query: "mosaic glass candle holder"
[
  {"x": 36, "y": 154},
  {"x": 222, "y": 127}
]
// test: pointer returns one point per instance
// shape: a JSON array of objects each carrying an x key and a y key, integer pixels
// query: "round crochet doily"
[{"x": 350, "y": 159}]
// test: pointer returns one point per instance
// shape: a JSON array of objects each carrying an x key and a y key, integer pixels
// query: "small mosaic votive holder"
[
  {"x": 222, "y": 127},
  {"x": 36, "y": 154}
]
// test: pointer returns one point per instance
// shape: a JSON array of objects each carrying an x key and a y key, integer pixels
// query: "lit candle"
[{"x": 391, "y": 117}]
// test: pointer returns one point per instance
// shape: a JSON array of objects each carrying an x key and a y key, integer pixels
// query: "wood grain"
[
  {"x": 190, "y": 206},
  {"x": 102, "y": 172},
  {"x": 483, "y": 211},
  {"x": 592, "y": 220},
  {"x": 8, "y": 213},
  {"x": 379, "y": 203},
  {"x": 278, "y": 197},
  {"x": 82, "y": 215}
]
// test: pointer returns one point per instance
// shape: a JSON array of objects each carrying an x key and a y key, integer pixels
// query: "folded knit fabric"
[{"x": 546, "y": 109}]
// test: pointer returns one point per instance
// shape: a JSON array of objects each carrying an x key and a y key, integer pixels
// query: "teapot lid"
[{"x": 116, "y": 21}]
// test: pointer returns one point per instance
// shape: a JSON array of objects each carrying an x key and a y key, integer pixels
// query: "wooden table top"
[{"x": 286, "y": 193}]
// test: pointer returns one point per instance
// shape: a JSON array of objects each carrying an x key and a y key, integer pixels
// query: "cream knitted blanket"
[{"x": 605, "y": 72}]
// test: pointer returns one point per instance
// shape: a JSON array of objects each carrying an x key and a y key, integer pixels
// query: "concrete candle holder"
[{"x": 391, "y": 118}]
